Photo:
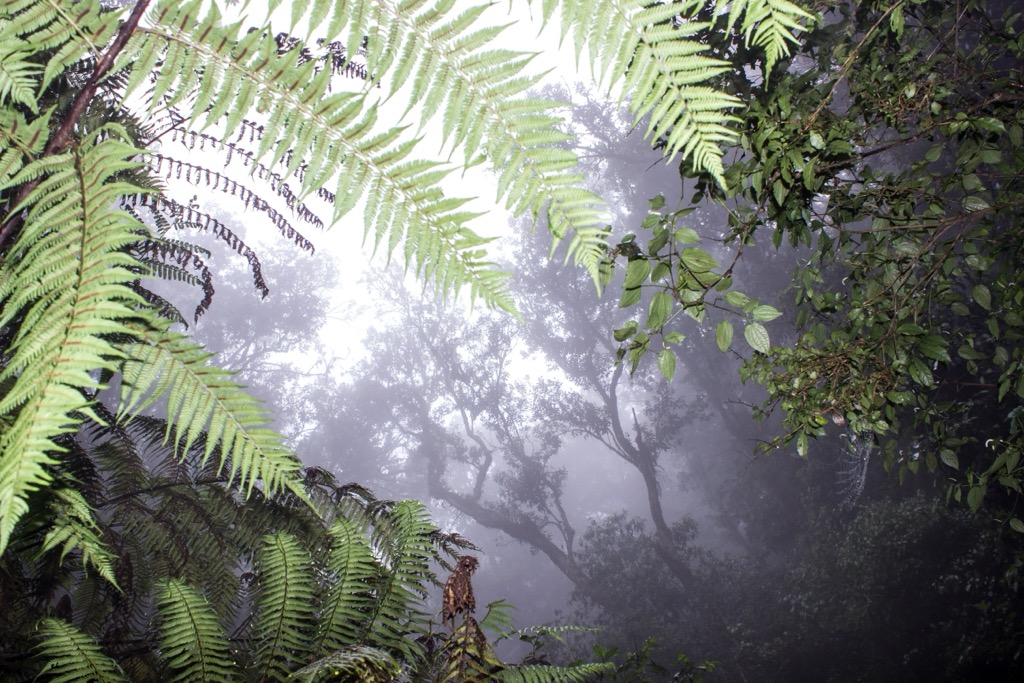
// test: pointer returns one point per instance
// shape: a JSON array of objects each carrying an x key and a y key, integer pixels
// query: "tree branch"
[{"x": 60, "y": 138}]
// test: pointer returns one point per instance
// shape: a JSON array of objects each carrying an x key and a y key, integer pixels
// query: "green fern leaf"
[
  {"x": 201, "y": 398},
  {"x": 192, "y": 641},
  {"x": 74, "y": 528},
  {"x": 353, "y": 572},
  {"x": 71, "y": 656},
  {"x": 71, "y": 250},
  {"x": 654, "y": 48},
  {"x": 356, "y": 663},
  {"x": 18, "y": 79},
  {"x": 408, "y": 553},
  {"x": 285, "y": 602},
  {"x": 578, "y": 673},
  {"x": 335, "y": 134}
]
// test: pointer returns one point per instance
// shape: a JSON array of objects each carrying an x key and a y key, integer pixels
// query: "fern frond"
[
  {"x": 201, "y": 398},
  {"x": 771, "y": 25},
  {"x": 408, "y": 552},
  {"x": 188, "y": 217},
  {"x": 498, "y": 617},
  {"x": 352, "y": 572},
  {"x": 75, "y": 529},
  {"x": 534, "y": 673},
  {"x": 356, "y": 663},
  {"x": 191, "y": 139},
  {"x": 660, "y": 63},
  {"x": 333, "y": 133},
  {"x": 284, "y": 616},
  {"x": 65, "y": 287},
  {"x": 655, "y": 48},
  {"x": 200, "y": 175},
  {"x": 64, "y": 30},
  {"x": 72, "y": 656},
  {"x": 451, "y": 71},
  {"x": 192, "y": 641},
  {"x": 18, "y": 78}
]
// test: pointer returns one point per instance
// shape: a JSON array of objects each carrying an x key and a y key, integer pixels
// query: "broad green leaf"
[
  {"x": 630, "y": 297},
  {"x": 757, "y": 336},
  {"x": 637, "y": 271},
  {"x": 764, "y": 313},
  {"x": 982, "y": 296},
  {"x": 667, "y": 363},
  {"x": 934, "y": 346},
  {"x": 723, "y": 335},
  {"x": 658, "y": 310},
  {"x": 697, "y": 260},
  {"x": 975, "y": 496},
  {"x": 1017, "y": 525},
  {"x": 687, "y": 236},
  {"x": 626, "y": 331},
  {"x": 949, "y": 458},
  {"x": 919, "y": 372},
  {"x": 974, "y": 203},
  {"x": 737, "y": 299},
  {"x": 662, "y": 270},
  {"x": 674, "y": 337}
]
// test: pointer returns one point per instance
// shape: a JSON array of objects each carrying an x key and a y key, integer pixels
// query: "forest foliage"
[
  {"x": 885, "y": 155},
  {"x": 90, "y": 92}
]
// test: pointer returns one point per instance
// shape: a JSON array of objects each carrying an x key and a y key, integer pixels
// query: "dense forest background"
[{"x": 738, "y": 397}]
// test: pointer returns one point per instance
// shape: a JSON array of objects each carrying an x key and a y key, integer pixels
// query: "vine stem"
[{"x": 60, "y": 138}]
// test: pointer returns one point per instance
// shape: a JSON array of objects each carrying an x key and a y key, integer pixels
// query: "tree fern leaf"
[
  {"x": 18, "y": 79},
  {"x": 355, "y": 663},
  {"x": 534, "y": 673},
  {"x": 769, "y": 24},
  {"x": 201, "y": 397},
  {"x": 192, "y": 641},
  {"x": 340, "y": 132},
  {"x": 74, "y": 528},
  {"x": 352, "y": 572},
  {"x": 408, "y": 553},
  {"x": 72, "y": 656},
  {"x": 285, "y": 602},
  {"x": 71, "y": 286}
]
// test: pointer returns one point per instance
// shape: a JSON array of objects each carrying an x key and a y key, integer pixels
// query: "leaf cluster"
[{"x": 901, "y": 201}]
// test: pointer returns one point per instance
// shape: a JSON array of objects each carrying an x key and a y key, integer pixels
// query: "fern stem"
[{"x": 60, "y": 138}]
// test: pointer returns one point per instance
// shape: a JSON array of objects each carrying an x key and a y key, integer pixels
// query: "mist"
[{"x": 607, "y": 499}]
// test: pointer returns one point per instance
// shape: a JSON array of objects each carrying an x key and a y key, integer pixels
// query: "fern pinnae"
[
  {"x": 336, "y": 130},
  {"x": 538, "y": 673},
  {"x": 352, "y": 572},
  {"x": 285, "y": 601},
  {"x": 358, "y": 662},
  {"x": 200, "y": 397},
  {"x": 192, "y": 640},
  {"x": 71, "y": 656},
  {"x": 74, "y": 529},
  {"x": 81, "y": 296},
  {"x": 405, "y": 544}
]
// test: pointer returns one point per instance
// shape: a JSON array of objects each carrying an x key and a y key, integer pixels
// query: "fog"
[{"x": 597, "y": 497}]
